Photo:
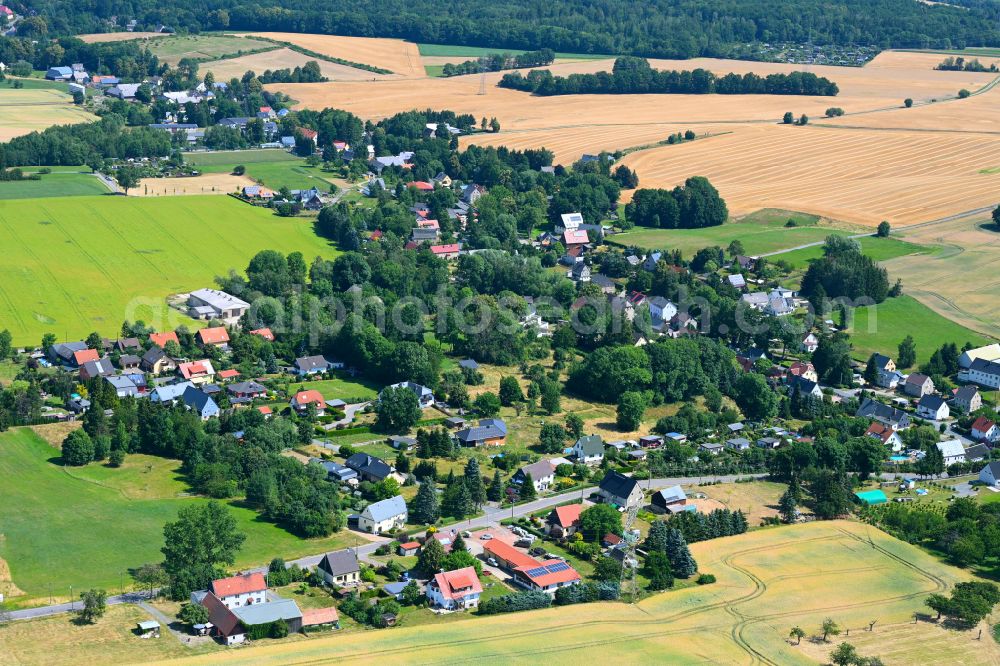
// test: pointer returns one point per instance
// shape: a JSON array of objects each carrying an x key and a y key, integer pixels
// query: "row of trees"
[
  {"x": 635, "y": 76},
  {"x": 494, "y": 62}
]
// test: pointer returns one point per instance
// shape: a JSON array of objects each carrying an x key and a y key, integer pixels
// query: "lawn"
[
  {"x": 75, "y": 265},
  {"x": 880, "y": 328},
  {"x": 64, "y": 183},
  {"x": 340, "y": 388},
  {"x": 760, "y": 233},
  {"x": 273, "y": 168},
  {"x": 768, "y": 581},
  {"x": 227, "y": 157},
  {"x": 879, "y": 249},
  {"x": 84, "y": 528}
]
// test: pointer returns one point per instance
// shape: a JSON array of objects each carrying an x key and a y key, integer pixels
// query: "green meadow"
[
  {"x": 880, "y": 328},
  {"x": 62, "y": 182},
  {"x": 760, "y": 233},
  {"x": 879, "y": 249},
  {"x": 86, "y": 526},
  {"x": 79, "y": 264},
  {"x": 273, "y": 168}
]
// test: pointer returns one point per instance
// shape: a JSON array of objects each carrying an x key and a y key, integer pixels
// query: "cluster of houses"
[
  {"x": 888, "y": 420},
  {"x": 238, "y": 604},
  {"x": 144, "y": 369}
]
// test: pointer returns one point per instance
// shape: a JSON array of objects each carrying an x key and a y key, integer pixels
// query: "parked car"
[
  {"x": 486, "y": 537},
  {"x": 537, "y": 551},
  {"x": 492, "y": 562},
  {"x": 466, "y": 534},
  {"x": 525, "y": 542}
]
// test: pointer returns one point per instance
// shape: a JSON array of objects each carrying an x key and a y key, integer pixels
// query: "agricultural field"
[
  {"x": 964, "y": 247},
  {"x": 281, "y": 58},
  {"x": 768, "y": 580},
  {"x": 880, "y": 328},
  {"x": 206, "y": 183},
  {"x": 171, "y": 48},
  {"x": 80, "y": 264},
  {"x": 62, "y": 182},
  {"x": 126, "y": 510},
  {"x": 852, "y": 173},
  {"x": 401, "y": 58},
  {"x": 760, "y": 232},
  {"x": 33, "y": 109}
]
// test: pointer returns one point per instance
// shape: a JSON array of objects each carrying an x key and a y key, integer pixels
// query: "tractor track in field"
[
  {"x": 731, "y": 606},
  {"x": 759, "y": 589}
]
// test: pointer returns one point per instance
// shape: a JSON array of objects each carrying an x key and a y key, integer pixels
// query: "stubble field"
[
  {"x": 28, "y": 109},
  {"x": 768, "y": 581},
  {"x": 402, "y": 58},
  {"x": 929, "y": 167},
  {"x": 282, "y": 58}
]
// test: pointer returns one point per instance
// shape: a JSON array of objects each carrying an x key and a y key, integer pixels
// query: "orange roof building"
[
  {"x": 507, "y": 556},
  {"x": 240, "y": 590},
  {"x": 455, "y": 590},
  {"x": 85, "y": 355},
  {"x": 217, "y": 335},
  {"x": 303, "y": 399},
  {"x": 161, "y": 339},
  {"x": 264, "y": 333}
]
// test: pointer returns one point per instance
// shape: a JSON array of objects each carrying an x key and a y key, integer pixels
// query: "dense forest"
[
  {"x": 661, "y": 28},
  {"x": 631, "y": 75}
]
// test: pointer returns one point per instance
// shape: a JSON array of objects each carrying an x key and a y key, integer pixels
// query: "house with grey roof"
[
  {"x": 340, "y": 568},
  {"x": 169, "y": 392},
  {"x": 335, "y": 472},
  {"x": 897, "y": 419},
  {"x": 369, "y": 468},
  {"x": 589, "y": 450},
  {"x": 124, "y": 386},
  {"x": 543, "y": 475},
  {"x": 967, "y": 399},
  {"x": 310, "y": 365},
  {"x": 620, "y": 490},
  {"x": 489, "y": 432},
  {"x": 386, "y": 516},
  {"x": 200, "y": 402}
]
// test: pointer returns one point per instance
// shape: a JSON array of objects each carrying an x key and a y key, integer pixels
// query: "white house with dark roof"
[
  {"x": 990, "y": 474},
  {"x": 425, "y": 396},
  {"x": 589, "y": 450},
  {"x": 620, "y": 490},
  {"x": 340, "y": 568},
  {"x": 982, "y": 372},
  {"x": 933, "y": 407}
]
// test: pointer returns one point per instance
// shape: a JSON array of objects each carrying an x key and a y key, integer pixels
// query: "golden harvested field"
[
  {"x": 400, "y": 57},
  {"x": 25, "y": 110},
  {"x": 968, "y": 246},
  {"x": 858, "y": 176},
  {"x": 206, "y": 183},
  {"x": 281, "y": 59},
  {"x": 851, "y": 174},
  {"x": 118, "y": 36},
  {"x": 768, "y": 581}
]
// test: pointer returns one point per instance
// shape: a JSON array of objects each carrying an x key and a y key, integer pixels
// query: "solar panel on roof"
[
  {"x": 558, "y": 566},
  {"x": 537, "y": 571}
]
